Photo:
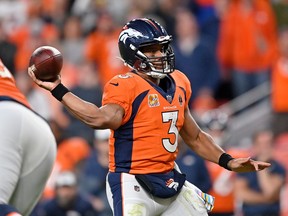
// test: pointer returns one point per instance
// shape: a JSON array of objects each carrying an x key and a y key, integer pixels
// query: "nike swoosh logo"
[{"x": 115, "y": 84}]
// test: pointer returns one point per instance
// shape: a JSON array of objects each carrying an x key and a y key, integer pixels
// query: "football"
[{"x": 46, "y": 63}]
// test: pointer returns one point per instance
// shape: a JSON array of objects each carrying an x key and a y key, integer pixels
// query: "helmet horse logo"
[{"x": 129, "y": 33}]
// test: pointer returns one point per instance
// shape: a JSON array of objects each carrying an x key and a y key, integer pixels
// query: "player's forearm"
[
  {"x": 206, "y": 147},
  {"x": 199, "y": 141},
  {"x": 87, "y": 112}
]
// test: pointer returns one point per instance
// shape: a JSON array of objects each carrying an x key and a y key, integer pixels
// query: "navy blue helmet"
[{"x": 142, "y": 33}]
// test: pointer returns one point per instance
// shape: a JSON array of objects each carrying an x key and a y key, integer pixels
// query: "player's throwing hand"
[{"x": 44, "y": 84}]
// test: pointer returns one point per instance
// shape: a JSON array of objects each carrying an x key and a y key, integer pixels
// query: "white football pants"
[
  {"x": 27, "y": 154},
  {"x": 127, "y": 198}
]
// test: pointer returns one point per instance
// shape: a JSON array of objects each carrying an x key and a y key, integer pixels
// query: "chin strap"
[{"x": 156, "y": 75}]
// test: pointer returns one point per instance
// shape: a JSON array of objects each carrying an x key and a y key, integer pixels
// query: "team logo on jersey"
[
  {"x": 124, "y": 76},
  {"x": 180, "y": 100},
  {"x": 172, "y": 184},
  {"x": 153, "y": 100}
]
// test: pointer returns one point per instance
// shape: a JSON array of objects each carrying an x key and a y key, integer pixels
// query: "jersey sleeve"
[
  {"x": 118, "y": 91},
  {"x": 188, "y": 90},
  {"x": 185, "y": 84}
]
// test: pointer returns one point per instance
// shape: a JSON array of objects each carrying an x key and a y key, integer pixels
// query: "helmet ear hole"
[{"x": 143, "y": 65}]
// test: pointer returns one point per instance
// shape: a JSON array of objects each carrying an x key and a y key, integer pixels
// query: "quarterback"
[{"x": 147, "y": 109}]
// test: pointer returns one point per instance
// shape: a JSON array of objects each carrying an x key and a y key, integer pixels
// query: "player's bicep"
[{"x": 114, "y": 114}]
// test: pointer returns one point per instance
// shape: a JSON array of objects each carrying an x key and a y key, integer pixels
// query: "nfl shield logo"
[
  {"x": 169, "y": 98},
  {"x": 136, "y": 188}
]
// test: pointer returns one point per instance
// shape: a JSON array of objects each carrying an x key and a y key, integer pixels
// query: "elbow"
[
  {"x": 92, "y": 124},
  {"x": 103, "y": 122},
  {"x": 95, "y": 122}
]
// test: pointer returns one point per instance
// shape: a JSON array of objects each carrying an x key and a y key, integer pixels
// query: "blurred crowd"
[{"x": 225, "y": 48}]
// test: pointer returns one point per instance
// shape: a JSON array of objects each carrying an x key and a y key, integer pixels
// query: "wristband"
[
  {"x": 224, "y": 159},
  {"x": 59, "y": 91}
]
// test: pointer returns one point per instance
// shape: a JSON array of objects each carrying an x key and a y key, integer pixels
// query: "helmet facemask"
[{"x": 157, "y": 67}]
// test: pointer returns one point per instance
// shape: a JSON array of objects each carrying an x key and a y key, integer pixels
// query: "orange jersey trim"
[{"x": 8, "y": 86}]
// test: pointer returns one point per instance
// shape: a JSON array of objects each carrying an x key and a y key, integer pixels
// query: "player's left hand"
[{"x": 247, "y": 165}]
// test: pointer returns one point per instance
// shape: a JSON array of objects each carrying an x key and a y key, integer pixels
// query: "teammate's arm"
[
  {"x": 204, "y": 145},
  {"x": 108, "y": 116}
]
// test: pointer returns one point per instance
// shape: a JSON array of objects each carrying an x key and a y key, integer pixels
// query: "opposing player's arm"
[{"x": 108, "y": 116}]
